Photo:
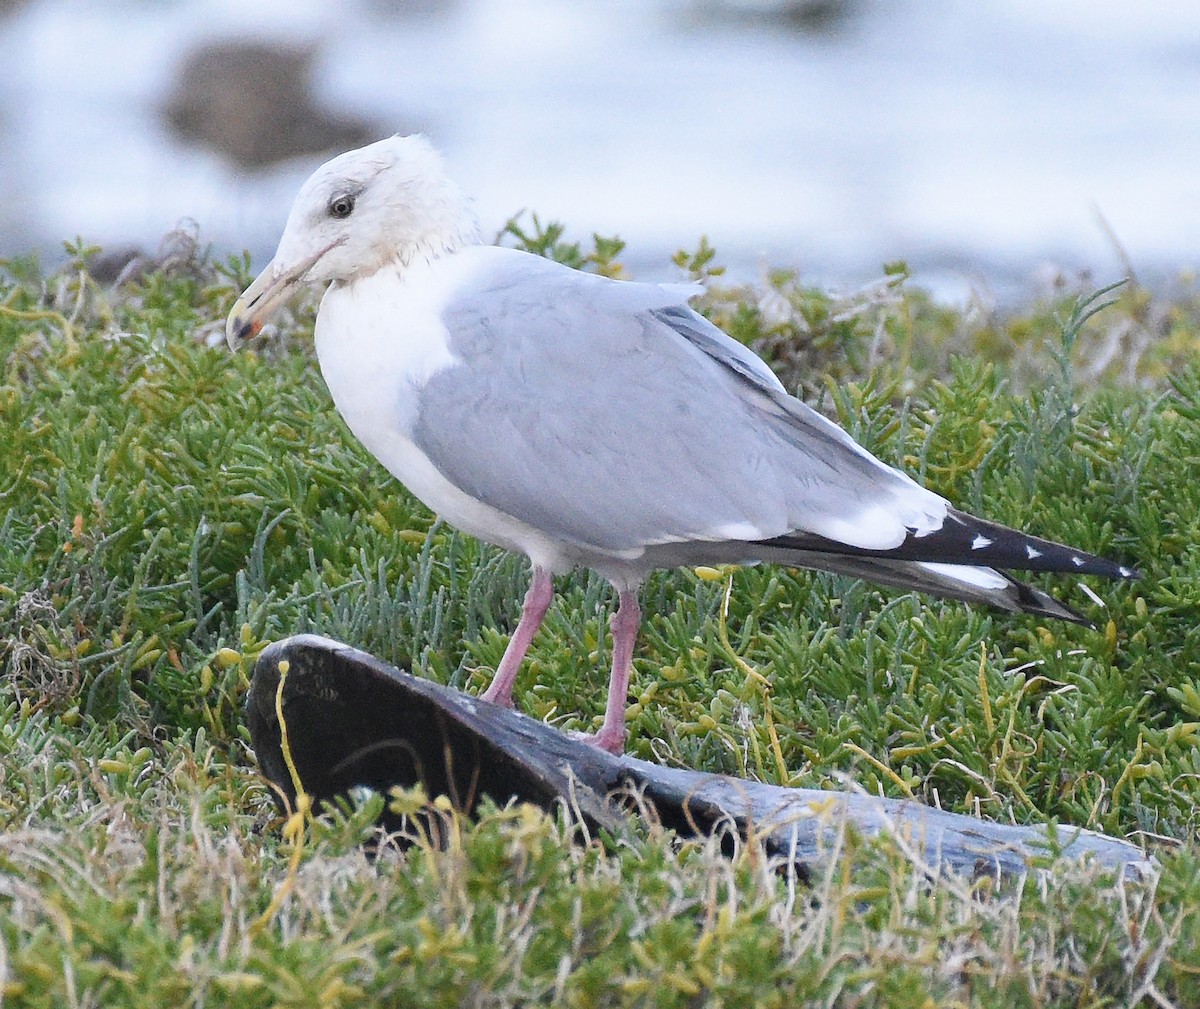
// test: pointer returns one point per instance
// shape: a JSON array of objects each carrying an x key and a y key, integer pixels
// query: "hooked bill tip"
[{"x": 238, "y": 331}]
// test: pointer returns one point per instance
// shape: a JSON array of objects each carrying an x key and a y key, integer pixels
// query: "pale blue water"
[{"x": 981, "y": 142}]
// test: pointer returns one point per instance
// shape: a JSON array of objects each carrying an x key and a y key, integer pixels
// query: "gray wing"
[{"x": 610, "y": 416}]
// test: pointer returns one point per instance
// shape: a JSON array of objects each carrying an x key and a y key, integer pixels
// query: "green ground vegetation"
[{"x": 167, "y": 509}]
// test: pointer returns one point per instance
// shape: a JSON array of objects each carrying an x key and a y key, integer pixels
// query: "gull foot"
[
  {"x": 606, "y": 739},
  {"x": 500, "y": 700}
]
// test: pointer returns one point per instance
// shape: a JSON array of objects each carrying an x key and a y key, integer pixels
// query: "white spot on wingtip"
[
  {"x": 1077, "y": 561},
  {"x": 980, "y": 541},
  {"x": 1125, "y": 572},
  {"x": 1031, "y": 553}
]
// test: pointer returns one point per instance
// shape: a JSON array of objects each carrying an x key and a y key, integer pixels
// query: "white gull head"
[{"x": 387, "y": 204}]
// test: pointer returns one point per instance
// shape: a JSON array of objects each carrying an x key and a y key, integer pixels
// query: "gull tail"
[
  {"x": 968, "y": 584},
  {"x": 962, "y": 560}
]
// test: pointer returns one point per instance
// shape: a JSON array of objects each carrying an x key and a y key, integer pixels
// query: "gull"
[{"x": 590, "y": 422}]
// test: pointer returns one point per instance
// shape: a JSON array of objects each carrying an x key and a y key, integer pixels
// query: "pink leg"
[
  {"x": 537, "y": 602},
  {"x": 625, "y": 623}
]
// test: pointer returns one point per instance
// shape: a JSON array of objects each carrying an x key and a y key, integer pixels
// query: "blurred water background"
[{"x": 988, "y": 145}]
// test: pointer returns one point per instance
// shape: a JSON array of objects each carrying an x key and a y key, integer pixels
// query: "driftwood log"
[{"x": 353, "y": 721}]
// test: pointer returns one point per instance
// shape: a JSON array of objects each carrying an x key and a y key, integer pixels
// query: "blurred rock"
[
  {"x": 808, "y": 17},
  {"x": 119, "y": 264},
  {"x": 413, "y": 10},
  {"x": 253, "y": 104},
  {"x": 178, "y": 254}
]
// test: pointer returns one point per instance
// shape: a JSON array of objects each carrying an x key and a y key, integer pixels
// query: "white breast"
[{"x": 379, "y": 340}]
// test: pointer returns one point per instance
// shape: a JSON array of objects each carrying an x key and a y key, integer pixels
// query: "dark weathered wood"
[{"x": 353, "y": 720}]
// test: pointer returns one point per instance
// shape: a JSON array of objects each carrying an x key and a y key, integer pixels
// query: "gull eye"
[{"x": 341, "y": 206}]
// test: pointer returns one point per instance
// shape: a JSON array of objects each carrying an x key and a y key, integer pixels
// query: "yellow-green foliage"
[{"x": 166, "y": 509}]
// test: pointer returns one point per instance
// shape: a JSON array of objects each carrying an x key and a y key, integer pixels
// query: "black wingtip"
[
  {"x": 964, "y": 539},
  {"x": 1038, "y": 603},
  {"x": 978, "y": 541}
]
